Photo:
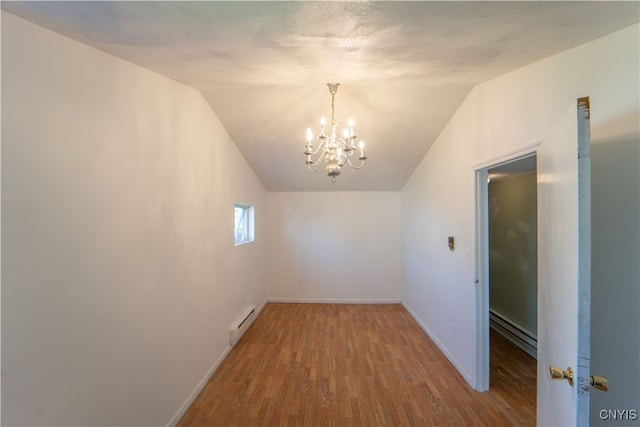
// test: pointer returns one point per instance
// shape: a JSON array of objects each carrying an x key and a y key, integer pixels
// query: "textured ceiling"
[{"x": 404, "y": 67}]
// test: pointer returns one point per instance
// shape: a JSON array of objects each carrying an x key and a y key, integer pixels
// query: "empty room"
[{"x": 286, "y": 213}]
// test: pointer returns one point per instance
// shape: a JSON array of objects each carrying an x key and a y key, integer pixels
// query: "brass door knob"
[
  {"x": 601, "y": 383},
  {"x": 560, "y": 374}
]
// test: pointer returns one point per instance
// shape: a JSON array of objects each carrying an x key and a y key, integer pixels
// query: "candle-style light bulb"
[
  {"x": 322, "y": 123},
  {"x": 309, "y": 135},
  {"x": 362, "y": 149},
  {"x": 345, "y": 133},
  {"x": 353, "y": 132}
]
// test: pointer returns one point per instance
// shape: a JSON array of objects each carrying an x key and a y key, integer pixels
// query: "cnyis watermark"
[{"x": 618, "y": 414}]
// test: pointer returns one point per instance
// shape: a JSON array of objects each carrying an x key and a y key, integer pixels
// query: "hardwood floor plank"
[
  {"x": 348, "y": 365},
  {"x": 513, "y": 383}
]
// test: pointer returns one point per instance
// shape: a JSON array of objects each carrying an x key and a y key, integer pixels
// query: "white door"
[{"x": 564, "y": 268}]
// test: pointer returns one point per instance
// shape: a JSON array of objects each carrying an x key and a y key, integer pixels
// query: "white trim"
[
  {"x": 442, "y": 348},
  {"x": 249, "y": 211},
  {"x": 482, "y": 257},
  {"x": 203, "y": 382},
  {"x": 509, "y": 156},
  {"x": 194, "y": 394},
  {"x": 333, "y": 301},
  {"x": 483, "y": 367}
]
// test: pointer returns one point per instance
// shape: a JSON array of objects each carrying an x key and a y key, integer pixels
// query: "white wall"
[
  {"x": 120, "y": 277},
  {"x": 502, "y": 116},
  {"x": 334, "y": 246}
]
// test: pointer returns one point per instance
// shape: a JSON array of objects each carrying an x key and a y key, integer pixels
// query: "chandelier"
[{"x": 334, "y": 151}]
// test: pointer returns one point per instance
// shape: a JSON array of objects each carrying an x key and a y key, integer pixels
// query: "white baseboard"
[
  {"x": 196, "y": 391},
  {"x": 333, "y": 301},
  {"x": 194, "y": 394},
  {"x": 442, "y": 348}
]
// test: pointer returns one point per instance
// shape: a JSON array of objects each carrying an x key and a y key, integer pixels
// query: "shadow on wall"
[{"x": 615, "y": 289}]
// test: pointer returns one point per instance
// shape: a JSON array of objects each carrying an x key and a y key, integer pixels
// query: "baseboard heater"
[
  {"x": 514, "y": 333},
  {"x": 240, "y": 326}
]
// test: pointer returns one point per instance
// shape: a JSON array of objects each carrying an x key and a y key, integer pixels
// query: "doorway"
[
  {"x": 506, "y": 291},
  {"x": 513, "y": 286},
  {"x": 513, "y": 247}
]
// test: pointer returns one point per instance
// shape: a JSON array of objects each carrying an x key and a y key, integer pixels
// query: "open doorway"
[
  {"x": 506, "y": 192},
  {"x": 511, "y": 194}
]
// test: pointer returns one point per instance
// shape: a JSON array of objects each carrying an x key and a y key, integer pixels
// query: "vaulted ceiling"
[{"x": 404, "y": 67}]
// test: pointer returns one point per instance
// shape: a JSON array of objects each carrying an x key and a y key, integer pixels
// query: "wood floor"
[
  {"x": 345, "y": 365},
  {"x": 513, "y": 381}
]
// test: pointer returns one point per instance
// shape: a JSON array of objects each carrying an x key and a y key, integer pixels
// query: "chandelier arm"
[
  {"x": 317, "y": 162},
  {"x": 321, "y": 146},
  {"x": 355, "y": 167}
]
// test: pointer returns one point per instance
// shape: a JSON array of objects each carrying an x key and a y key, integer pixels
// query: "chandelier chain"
[{"x": 333, "y": 110}]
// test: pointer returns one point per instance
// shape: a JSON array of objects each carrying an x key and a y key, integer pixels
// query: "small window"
[{"x": 243, "y": 229}]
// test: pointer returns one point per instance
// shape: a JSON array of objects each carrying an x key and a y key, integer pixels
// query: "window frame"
[{"x": 247, "y": 220}]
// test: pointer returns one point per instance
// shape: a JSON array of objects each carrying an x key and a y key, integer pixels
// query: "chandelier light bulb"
[
  {"x": 309, "y": 135},
  {"x": 362, "y": 156}
]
